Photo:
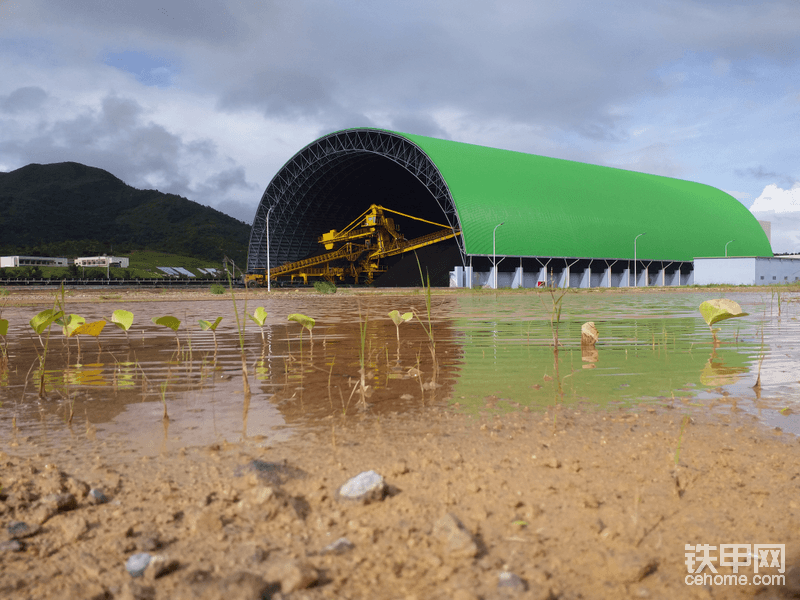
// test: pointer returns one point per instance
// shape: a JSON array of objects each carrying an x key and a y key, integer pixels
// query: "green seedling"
[
  {"x": 212, "y": 327},
  {"x": 259, "y": 317},
  {"x": 306, "y": 322},
  {"x": 94, "y": 329},
  {"x": 399, "y": 319},
  {"x": 171, "y": 322},
  {"x": 68, "y": 326},
  {"x": 3, "y": 342},
  {"x": 123, "y": 319},
  {"x": 164, "y": 399},
  {"x": 719, "y": 309},
  {"x": 44, "y": 320}
]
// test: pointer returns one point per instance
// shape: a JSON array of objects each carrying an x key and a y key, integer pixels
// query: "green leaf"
[
  {"x": 206, "y": 325},
  {"x": 122, "y": 319},
  {"x": 259, "y": 316},
  {"x": 3, "y": 326},
  {"x": 70, "y": 324},
  {"x": 714, "y": 311},
  {"x": 44, "y": 319},
  {"x": 305, "y": 321},
  {"x": 397, "y": 318},
  {"x": 167, "y": 321},
  {"x": 93, "y": 328}
]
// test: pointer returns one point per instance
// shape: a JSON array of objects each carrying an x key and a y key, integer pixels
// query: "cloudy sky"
[{"x": 208, "y": 98}]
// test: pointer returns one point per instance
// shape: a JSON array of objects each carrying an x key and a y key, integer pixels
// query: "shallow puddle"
[{"x": 492, "y": 353}]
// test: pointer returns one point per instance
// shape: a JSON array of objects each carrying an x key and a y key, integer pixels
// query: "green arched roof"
[{"x": 555, "y": 207}]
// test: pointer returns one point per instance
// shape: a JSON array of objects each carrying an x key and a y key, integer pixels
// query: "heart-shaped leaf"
[
  {"x": 714, "y": 311},
  {"x": 208, "y": 325},
  {"x": 397, "y": 318},
  {"x": 305, "y": 321},
  {"x": 167, "y": 321},
  {"x": 44, "y": 319},
  {"x": 92, "y": 329},
  {"x": 122, "y": 319},
  {"x": 259, "y": 316}
]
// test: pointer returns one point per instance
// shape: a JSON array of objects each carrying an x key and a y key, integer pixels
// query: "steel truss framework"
[{"x": 302, "y": 200}]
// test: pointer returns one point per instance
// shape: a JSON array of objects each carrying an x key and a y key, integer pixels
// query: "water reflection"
[{"x": 492, "y": 352}]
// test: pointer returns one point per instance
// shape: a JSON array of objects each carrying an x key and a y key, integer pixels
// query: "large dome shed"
[{"x": 554, "y": 212}]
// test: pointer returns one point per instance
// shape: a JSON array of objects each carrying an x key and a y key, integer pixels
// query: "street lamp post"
[
  {"x": 269, "y": 277},
  {"x": 634, "y": 257},
  {"x": 494, "y": 252},
  {"x": 726, "y": 248}
]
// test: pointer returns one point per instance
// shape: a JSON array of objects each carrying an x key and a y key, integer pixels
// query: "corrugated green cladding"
[{"x": 561, "y": 208}]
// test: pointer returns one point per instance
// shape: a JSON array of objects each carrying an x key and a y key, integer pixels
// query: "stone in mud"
[
  {"x": 273, "y": 472},
  {"x": 630, "y": 567},
  {"x": 510, "y": 584},
  {"x": 12, "y": 546},
  {"x": 137, "y": 563},
  {"x": 365, "y": 487},
  {"x": 96, "y": 496},
  {"x": 293, "y": 575},
  {"x": 457, "y": 541},
  {"x": 340, "y": 546},
  {"x": 20, "y": 529}
]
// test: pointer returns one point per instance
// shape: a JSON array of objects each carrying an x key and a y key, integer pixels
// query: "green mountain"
[{"x": 69, "y": 209}]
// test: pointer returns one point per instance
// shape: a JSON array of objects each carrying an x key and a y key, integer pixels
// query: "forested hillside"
[{"x": 70, "y": 209}]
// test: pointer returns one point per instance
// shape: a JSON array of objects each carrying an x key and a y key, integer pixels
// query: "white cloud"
[
  {"x": 778, "y": 200},
  {"x": 782, "y": 209}
]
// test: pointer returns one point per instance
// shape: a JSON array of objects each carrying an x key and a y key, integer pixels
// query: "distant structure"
[
  {"x": 34, "y": 261},
  {"x": 518, "y": 220},
  {"x": 104, "y": 262}
]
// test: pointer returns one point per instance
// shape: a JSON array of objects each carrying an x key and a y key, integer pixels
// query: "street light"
[
  {"x": 634, "y": 257},
  {"x": 726, "y": 248},
  {"x": 269, "y": 278},
  {"x": 494, "y": 251}
]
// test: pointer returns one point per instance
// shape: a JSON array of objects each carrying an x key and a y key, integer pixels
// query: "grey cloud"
[
  {"x": 23, "y": 99},
  {"x": 783, "y": 179},
  {"x": 207, "y": 21}
]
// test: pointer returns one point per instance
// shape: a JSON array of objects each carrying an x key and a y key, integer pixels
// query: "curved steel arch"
[{"x": 297, "y": 202}]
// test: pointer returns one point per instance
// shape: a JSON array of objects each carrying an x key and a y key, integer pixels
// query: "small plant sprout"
[
  {"x": 719, "y": 309},
  {"x": 94, "y": 329},
  {"x": 69, "y": 325},
  {"x": 306, "y": 322},
  {"x": 259, "y": 317},
  {"x": 212, "y": 327},
  {"x": 164, "y": 399},
  {"x": 123, "y": 319},
  {"x": 44, "y": 320},
  {"x": 399, "y": 319},
  {"x": 3, "y": 342},
  {"x": 171, "y": 322}
]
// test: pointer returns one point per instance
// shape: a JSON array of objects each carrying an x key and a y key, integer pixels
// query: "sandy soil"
[
  {"x": 563, "y": 504},
  {"x": 566, "y": 504}
]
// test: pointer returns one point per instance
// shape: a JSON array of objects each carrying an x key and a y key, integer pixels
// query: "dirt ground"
[
  {"x": 567, "y": 504},
  {"x": 561, "y": 504}
]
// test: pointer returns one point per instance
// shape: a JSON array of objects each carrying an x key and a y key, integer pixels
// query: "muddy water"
[{"x": 492, "y": 352}]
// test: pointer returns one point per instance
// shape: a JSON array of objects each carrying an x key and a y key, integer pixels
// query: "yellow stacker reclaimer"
[{"x": 356, "y": 251}]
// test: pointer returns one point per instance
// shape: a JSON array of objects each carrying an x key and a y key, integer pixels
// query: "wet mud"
[{"x": 487, "y": 492}]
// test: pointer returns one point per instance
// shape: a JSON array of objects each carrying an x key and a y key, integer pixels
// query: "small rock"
[
  {"x": 20, "y": 529},
  {"x": 510, "y": 583},
  {"x": 589, "y": 334},
  {"x": 274, "y": 473},
  {"x": 293, "y": 575},
  {"x": 137, "y": 564},
  {"x": 553, "y": 463},
  {"x": 12, "y": 546},
  {"x": 458, "y": 542},
  {"x": 340, "y": 546},
  {"x": 96, "y": 496},
  {"x": 365, "y": 487}
]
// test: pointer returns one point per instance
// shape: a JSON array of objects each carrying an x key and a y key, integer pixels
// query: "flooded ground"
[{"x": 544, "y": 457}]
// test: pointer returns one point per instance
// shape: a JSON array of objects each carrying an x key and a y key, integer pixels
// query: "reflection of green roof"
[{"x": 554, "y": 207}]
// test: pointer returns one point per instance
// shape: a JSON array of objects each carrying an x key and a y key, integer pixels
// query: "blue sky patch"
[{"x": 148, "y": 69}]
